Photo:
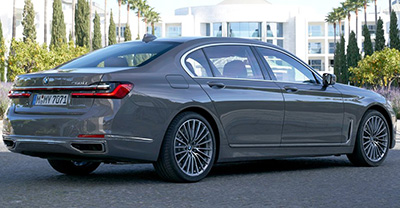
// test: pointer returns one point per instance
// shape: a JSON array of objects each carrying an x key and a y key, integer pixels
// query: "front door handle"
[
  {"x": 216, "y": 85},
  {"x": 291, "y": 89}
]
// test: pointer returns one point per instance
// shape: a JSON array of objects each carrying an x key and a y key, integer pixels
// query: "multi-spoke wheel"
[
  {"x": 372, "y": 144},
  {"x": 188, "y": 150},
  {"x": 74, "y": 167}
]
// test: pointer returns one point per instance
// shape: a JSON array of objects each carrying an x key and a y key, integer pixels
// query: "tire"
[
  {"x": 372, "y": 142},
  {"x": 188, "y": 150},
  {"x": 70, "y": 167}
]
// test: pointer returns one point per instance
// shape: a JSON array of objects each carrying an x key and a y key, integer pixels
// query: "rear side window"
[
  {"x": 285, "y": 68},
  {"x": 233, "y": 62},
  {"x": 122, "y": 55},
  {"x": 197, "y": 64}
]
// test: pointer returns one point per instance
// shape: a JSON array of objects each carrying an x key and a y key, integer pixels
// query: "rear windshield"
[{"x": 131, "y": 54}]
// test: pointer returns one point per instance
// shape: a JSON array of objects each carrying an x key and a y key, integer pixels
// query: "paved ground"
[{"x": 302, "y": 182}]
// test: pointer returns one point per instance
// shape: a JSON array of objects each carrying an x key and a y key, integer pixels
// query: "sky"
[{"x": 167, "y": 7}]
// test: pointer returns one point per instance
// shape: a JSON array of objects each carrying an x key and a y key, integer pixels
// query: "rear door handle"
[
  {"x": 216, "y": 85},
  {"x": 291, "y": 89}
]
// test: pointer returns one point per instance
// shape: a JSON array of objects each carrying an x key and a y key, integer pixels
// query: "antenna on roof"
[{"x": 148, "y": 38}]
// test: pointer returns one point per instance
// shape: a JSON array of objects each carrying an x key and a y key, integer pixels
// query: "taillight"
[
  {"x": 12, "y": 94},
  {"x": 119, "y": 92}
]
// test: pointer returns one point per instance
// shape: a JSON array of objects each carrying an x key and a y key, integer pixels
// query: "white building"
[{"x": 294, "y": 28}]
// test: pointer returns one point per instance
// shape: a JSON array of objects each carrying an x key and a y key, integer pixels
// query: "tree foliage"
[
  {"x": 96, "y": 41},
  {"x": 127, "y": 33},
  {"x": 379, "y": 70},
  {"x": 394, "y": 32},
  {"x": 380, "y": 36},
  {"x": 353, "y": 52},
  {"x": 28, "y": 21},
  {"x": 368, "y": 49},
  {"x": 340, "y": 63},
  {"x": 3, "y": 51},
  {"x": 82, "y": 23},
  {"x": 112, "y": 39},
  {"x": 58, "y": 31},
  {"x": 29, "y": 56}
]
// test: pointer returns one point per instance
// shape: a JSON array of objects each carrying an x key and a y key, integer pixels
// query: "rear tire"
[
  {"x": 188, "y": 150},
  {"x": 372, "y": 143},
  {"x": 70, "y": 167}
]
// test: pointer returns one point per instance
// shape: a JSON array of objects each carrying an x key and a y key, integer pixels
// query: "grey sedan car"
[{"x": 185, "y": 104}]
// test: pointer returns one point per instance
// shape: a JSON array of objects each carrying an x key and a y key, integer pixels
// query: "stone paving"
[{"x": 4, "y": 149}]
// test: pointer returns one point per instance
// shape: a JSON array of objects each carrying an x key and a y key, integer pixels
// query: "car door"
[
  {"x": 250, "y": 108},
  {"x": 313, "y": 113}
]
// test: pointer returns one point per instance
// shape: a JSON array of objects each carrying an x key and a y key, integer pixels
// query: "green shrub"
[{"x": 4, "y": 100}]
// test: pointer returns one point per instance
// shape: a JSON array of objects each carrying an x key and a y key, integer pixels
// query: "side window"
[
  {"x": 285, "y": 68},
  {"x": 197, "y": 63},
  {"x": 233, "y": 62}
]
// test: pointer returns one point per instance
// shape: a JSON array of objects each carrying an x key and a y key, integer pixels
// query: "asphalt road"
[{"x": 301, "y": 182}]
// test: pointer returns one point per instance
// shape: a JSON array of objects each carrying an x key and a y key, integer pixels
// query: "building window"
[
  {"x": 157, "y": 30},
  {"x": 173, "y": 30},
  {"x": 244, "y": 29},
  {"x": 331, "y": 31},
  {"x": 122, "y": 31},
  {"x": 275, "y": 29},
  {"x": 315, "y": 31},
  {"x": 331, "y": 48},
  {"x": 270, "y": 41},
  {"x": 217, "y": 29},
  {"x": 314, "y": 48},
  {"x": 316, "y": 64},
  {"x": 205, "y": 29},
  {"x": 372, "y": 29},
  {"x": 279, "y": 42}
]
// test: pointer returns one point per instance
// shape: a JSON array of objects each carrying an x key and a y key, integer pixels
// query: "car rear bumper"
[{"x": 111, "y": 148}]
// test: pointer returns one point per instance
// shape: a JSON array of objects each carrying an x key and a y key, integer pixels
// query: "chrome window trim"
[{"x": 183, "y": 57}]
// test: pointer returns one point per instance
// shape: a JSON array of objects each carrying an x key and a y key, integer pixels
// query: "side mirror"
[{"x": 328, "y": 79}]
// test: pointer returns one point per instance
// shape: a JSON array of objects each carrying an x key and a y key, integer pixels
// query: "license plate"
[{"x": 50, "y": 99}]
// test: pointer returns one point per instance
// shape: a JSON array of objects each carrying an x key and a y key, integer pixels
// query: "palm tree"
[
  {"x": 128, "y": 5},
  {"x": 90, "y": 25},
  {"x": 154, "y": 18},
  {"x": 147, "y": 12},
  {"x": 119, "y": 20},
  {"x": 340, "y": 15},
  {"x": 376, "y": 13},
  {"x": 347, "y": 7},
  {"x": 14, "y": 20},
  {"x": 139, "y": 5},
  {"x": 331, "y": 19},
  {"x": 390, "y": 6},
  {"x": 365, "y": 10},
  {"x": 357, "y": 4},
  {"x": 73, "y": 20}
]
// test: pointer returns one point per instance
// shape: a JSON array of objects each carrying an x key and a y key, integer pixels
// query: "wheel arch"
[
  {"x": 386, "y": 114},
  {"x": 212, "y": 120}
]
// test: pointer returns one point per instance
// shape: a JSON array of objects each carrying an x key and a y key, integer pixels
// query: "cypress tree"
[
  {"x": 58, "y": 31},
  {"x": 28, "y": 21},
  {"x": 380, "y": 36},
  {"x": 394, "y": 32},
  {"x": 96, "y": 41},
  {"x": 353, "y": 52},
  {"x": 82, "y": 23},
  {"x": 342, "y": 61},
  {"x": 127, "y": 33},
  {"x": 112, "y": 39},
  {"x": 70, "y": 37},
  {"x": 368, "y": 50},
  {"x": 336, "y": 63}
]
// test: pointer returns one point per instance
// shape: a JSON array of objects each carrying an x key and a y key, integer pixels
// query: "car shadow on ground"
[{"x": 145, "y": 173}]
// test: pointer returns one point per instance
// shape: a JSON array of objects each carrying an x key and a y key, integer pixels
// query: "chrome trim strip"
[
  {"x": 289, "y": 145},
  {"x": 38, "y": 140},
  {"x": 94, "y": 87},
  {"x": 128, "y": 138},
  {"x": 243, "y": 44}
]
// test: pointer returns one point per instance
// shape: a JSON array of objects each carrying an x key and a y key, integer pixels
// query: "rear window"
[{"x": 131, "y": 54}]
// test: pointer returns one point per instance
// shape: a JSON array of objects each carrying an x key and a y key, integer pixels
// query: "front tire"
[
  {"x": 70, "y": 167},
  {"x": 188, "y": 150},
  {"x": 372, "y": 143}
]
